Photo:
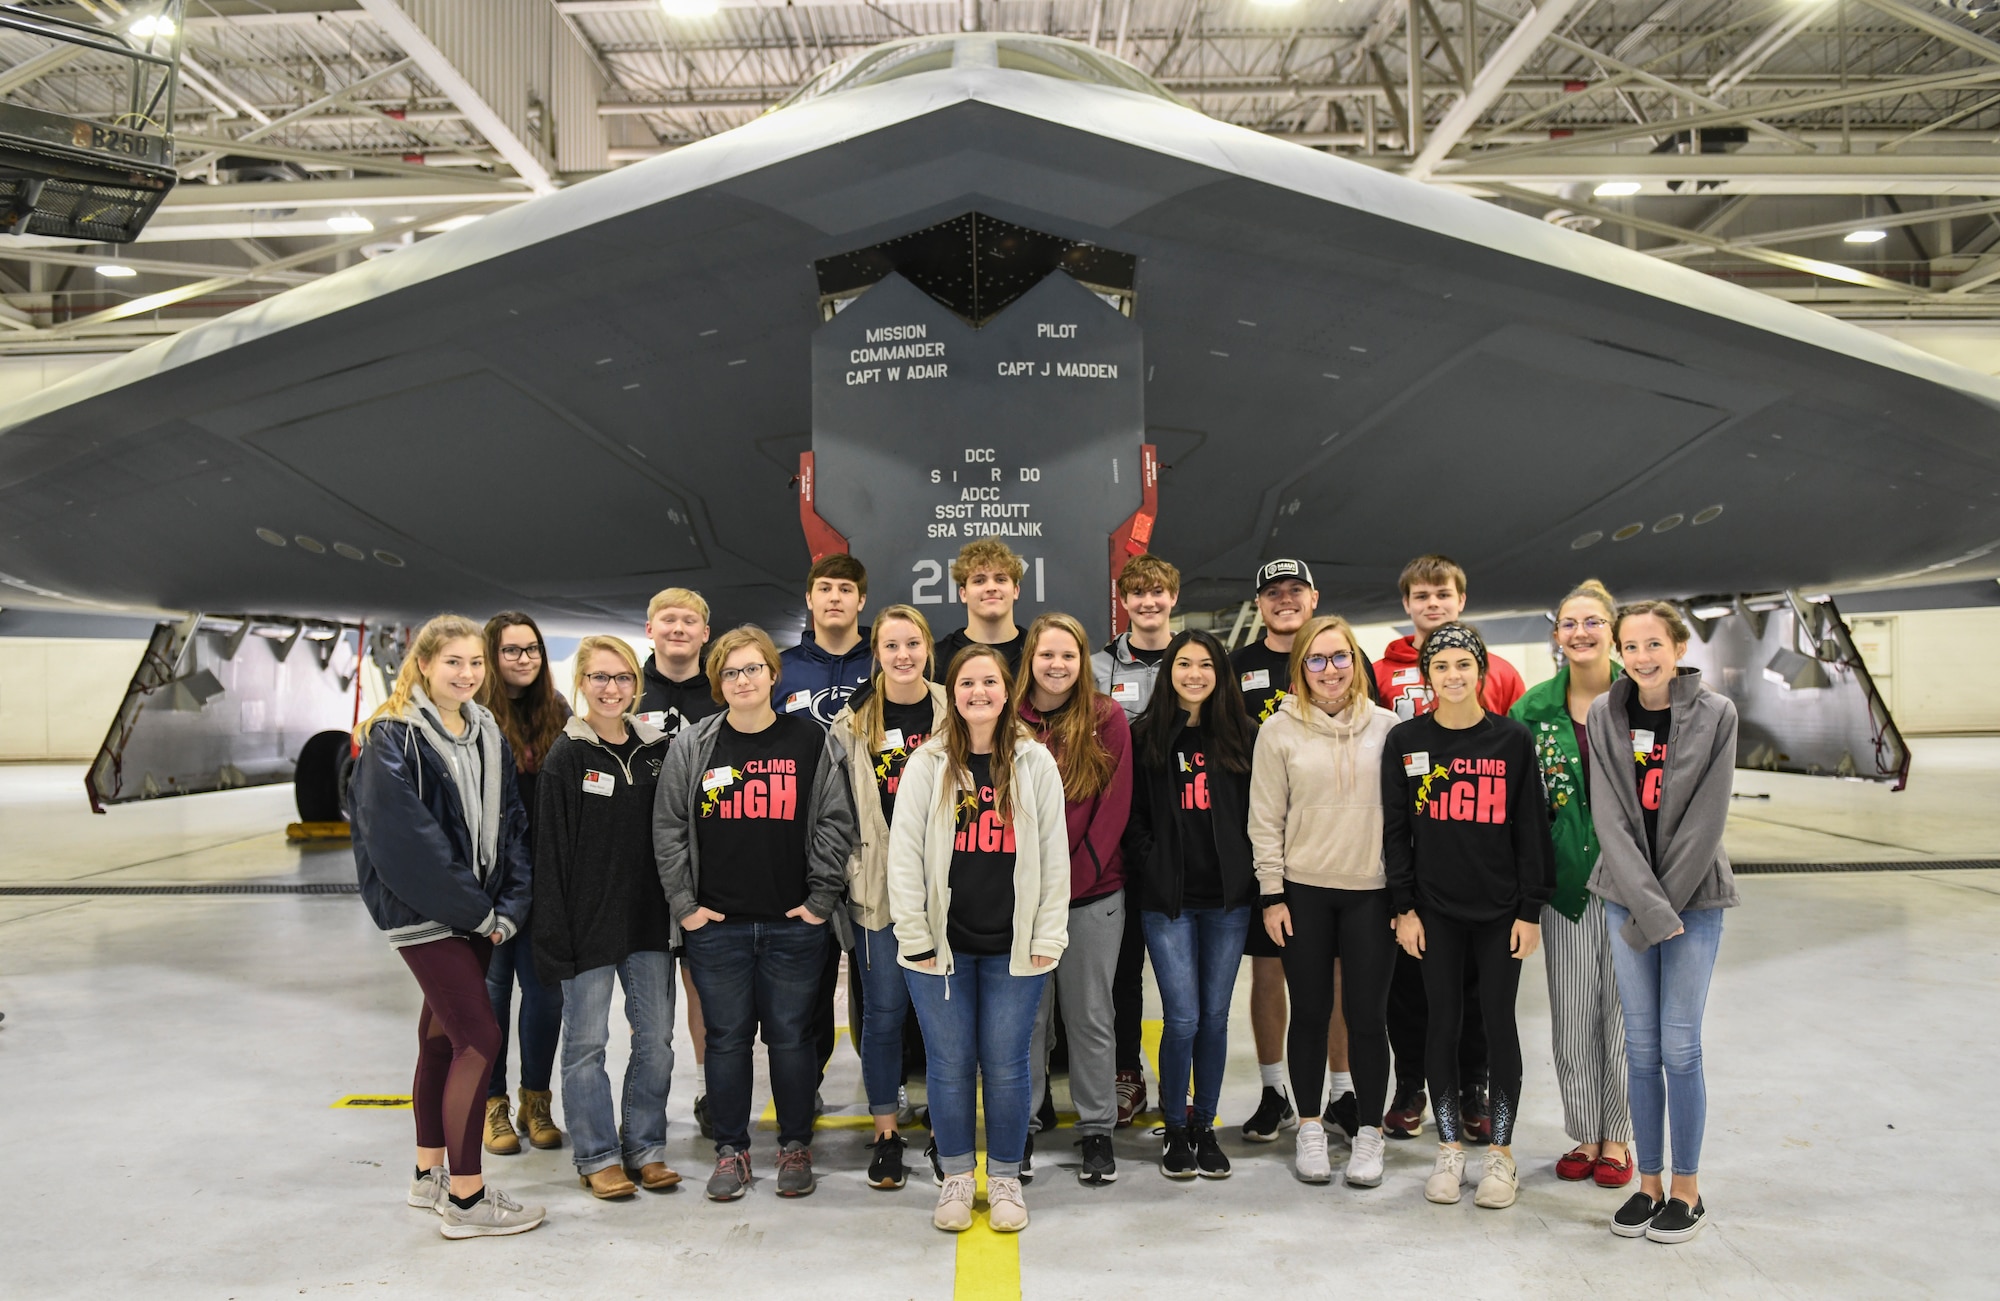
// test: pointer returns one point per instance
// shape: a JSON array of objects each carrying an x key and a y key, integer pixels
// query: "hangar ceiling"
[{"x": 1838, "y": 153}]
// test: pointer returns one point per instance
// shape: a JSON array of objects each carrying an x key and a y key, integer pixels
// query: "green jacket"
[{"x": 1545, "y": 709}]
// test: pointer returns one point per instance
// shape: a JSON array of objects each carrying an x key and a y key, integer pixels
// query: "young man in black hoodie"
[
  {"x": 988, "y": 576},
  {"x": 676, "y": 693},
  {"x": 676, "y": 696}
]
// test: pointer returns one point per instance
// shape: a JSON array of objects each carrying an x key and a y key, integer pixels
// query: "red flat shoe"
[
  {"x": 1576, "y": 1167},
  {"x": 1613, "y": 1174}
]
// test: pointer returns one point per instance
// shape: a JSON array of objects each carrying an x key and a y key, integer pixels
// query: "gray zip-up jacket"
[
  {"x": 677, "y": 847},
  {"x": 1127, "y": 681},
  {"x": 868, "y": 866},
  {"x": 1693, "y": 868}
]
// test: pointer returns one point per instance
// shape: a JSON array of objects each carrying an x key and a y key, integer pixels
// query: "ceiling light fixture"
[
  {"x": 1866, "y": 236},
  {"x": 150, "y": 26},
  {"x": 116, "y": 271},
  {"x": 349, "y": 223},
  {"x": 690, "y": 8},
  {"x": 1615, "y": 189}
]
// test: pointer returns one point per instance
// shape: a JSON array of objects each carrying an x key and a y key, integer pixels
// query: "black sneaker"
[
  {"x": 1177, "y": 1154},
  {"x": 937, "y": 1166},
  {"x": 701, "y": 1118},
  {"x": 1274, "y": 1112},
  {"x": 1027, "y": 1175},
  {"x": 1346, "y": 1113},
  {"x": 1634, "y": 1216},
  {"x": 885, "y": 1167},
  {"x": 1405, "y": 1116},
  {"x": 1677, "y": 1221},
  {"x": 1099, "y": 1165},
  {"x": 1208, "y": 1156}
]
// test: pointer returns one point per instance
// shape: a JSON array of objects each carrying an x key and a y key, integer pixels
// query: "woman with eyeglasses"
[
  {"x": 602, "y": 919},
  {"x": 1316, "y": 833},
  {"x": 521, "y": 695},
  {"x": 752, "y": 829},
  {"x": 1585, "y": 1024}
]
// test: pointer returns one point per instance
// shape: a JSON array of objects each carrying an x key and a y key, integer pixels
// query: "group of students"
[{"x": 998, "y": 826}]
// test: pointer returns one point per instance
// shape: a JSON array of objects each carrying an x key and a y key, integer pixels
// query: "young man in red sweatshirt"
[{"x": 1433, "y": 596}]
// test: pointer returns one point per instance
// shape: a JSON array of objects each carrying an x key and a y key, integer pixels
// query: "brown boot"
[
  {"x": 541, "y": 1131},
  {"x": 501, "y": 1140},
  {"x": 609, "y": 1183},
  {"x": 654, "y": 1176}
]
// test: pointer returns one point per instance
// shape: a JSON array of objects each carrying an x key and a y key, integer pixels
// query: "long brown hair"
[
  {"x": 532, "y": 721},
  {"x": 1071, "y": 732},
  {"x": 424, "y": 647},
  {"x": 958, "y": 737},
  {"x": 1232, "y": 740},
  {"x": 868, "y": 719}
]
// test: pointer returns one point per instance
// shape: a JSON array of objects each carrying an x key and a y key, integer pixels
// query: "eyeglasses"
[
  {"x": 749, "y": 672},
  {"x": 1593, "y": 623},
  {"x": 1321, "y": 663},
  {"x": 603, "y": 680},
  {"x": 532, "y": 651}
]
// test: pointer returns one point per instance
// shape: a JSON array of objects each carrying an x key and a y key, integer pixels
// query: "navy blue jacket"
[
  {"x": 414, "y": 855},
  {"x": 820, "y": 683}
]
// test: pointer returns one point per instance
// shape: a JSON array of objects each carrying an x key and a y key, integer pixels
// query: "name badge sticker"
[
  {"x": 717, "y": 778},
  {"x": 798, "y": 700},
  {"x": 1642, "y": 743},
  {"x": 598, "y": 783},
  {"x": 892, "y": 740},
  {"x": 1403, "y": 677},
  {"x": 653, "y": 718},
  {"x": 1257, "y": 680},
  {"x": 1124, "y": 691},
  {"x": 1417, "y": 764}
]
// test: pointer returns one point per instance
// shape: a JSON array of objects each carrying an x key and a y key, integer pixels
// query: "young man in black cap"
[{"x": 1286, "y": 598}]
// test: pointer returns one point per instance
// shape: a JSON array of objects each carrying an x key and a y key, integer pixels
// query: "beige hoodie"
[{"x": 1316, "y": 797}]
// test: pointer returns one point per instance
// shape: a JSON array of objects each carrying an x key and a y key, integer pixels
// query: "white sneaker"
[
  {"x": 1446, "y": 1176},
  {"x": 954, "y": 1205},
  {"x": 427, "y": 1191},
  {"x": 1497, "y": 1189},
  {"x": 1309, "y": 1160},
  {"x": 492, "y": 1216},
  {"x": 1364, "y": 1163},
  {"x": 1005, "y": 1210}
]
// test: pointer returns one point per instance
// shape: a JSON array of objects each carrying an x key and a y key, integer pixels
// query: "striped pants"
[{"x": 1587, "y": 1025}]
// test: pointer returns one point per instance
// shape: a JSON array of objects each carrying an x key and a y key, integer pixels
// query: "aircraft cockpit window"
[{"x": 1068, "y": 62}]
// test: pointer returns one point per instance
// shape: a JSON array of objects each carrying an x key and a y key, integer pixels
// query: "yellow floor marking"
[
  {"x": 989, "y": 1263},
  {"x": 373, "y": 1102}
]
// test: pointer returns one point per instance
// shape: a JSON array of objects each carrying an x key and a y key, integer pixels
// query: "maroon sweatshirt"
[{"x": 1097, "y": 825}]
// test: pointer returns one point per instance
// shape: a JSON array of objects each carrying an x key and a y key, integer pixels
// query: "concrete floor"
[{"x": 169, "y": 1065}]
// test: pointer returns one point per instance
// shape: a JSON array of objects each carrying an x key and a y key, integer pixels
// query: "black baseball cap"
[{"x": 1273, "y": 570}]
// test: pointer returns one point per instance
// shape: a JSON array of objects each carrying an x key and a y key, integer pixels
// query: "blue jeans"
[
  {"x": 541, "y": 1013},
  {"x": 978, "y": 1021},
  {"x": 752, "y": 974},
  {"x": 597, "y": 1139},
  {"x": 885, "y": 1005},
  {"x": 1663, "y": 992},
  {"x": 1195, "y": 959}
]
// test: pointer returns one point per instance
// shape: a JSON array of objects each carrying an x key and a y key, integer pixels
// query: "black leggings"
[
  {"x": 1127, "y": 988},
  {"x": 1409, "y": 1026},
  {"x": 1352, "y": 926},
  {"x": 1449, "y": 947}
]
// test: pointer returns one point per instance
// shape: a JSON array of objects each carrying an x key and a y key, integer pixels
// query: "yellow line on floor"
[{"x": 989, "y": 1263}]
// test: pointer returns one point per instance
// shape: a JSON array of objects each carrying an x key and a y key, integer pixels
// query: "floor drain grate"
[
  {"x": 281, "y": 887},
  {"x": 1904, "y": 865}
]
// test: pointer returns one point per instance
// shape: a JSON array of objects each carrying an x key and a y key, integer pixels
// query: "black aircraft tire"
[{"x": 316, "y": 783}]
